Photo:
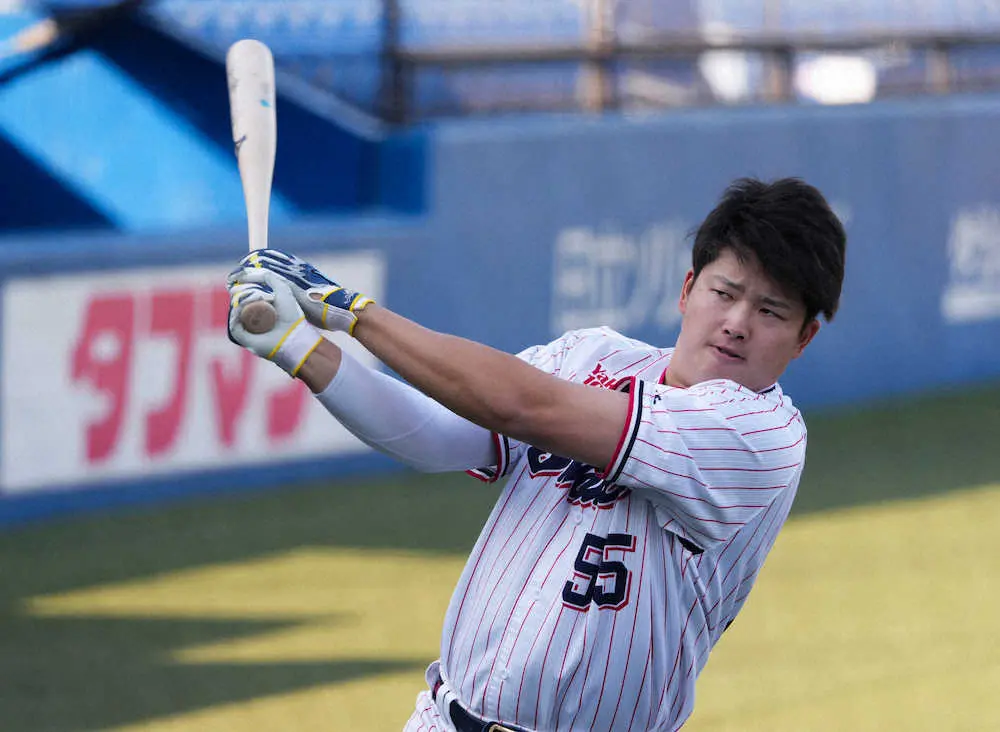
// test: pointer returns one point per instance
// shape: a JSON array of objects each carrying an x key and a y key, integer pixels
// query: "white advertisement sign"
[
  {"x": 973, "y": 290},
  {"x": 618, "y": 280},
  {"x": 130, "y": 373}
]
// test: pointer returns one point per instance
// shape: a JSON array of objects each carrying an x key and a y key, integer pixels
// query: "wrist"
[
  {"x": 321, "y": 366},
  {"x": 296, "y": 346},
  {"x": 363, "y": 317}
]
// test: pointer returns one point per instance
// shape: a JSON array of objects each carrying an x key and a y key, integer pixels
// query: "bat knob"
[{"x": 258, "y": 317}]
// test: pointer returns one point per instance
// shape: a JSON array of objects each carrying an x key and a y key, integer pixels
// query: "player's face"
[{"x": 738, "y": 325}]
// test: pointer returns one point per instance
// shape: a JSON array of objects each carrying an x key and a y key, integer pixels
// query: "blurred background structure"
[
  {"x": 562, "y": 148},
  {"x": 403, "y": 60}
]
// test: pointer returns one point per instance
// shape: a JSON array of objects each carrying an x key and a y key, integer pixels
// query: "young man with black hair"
[{"x": 645, "y": 485}]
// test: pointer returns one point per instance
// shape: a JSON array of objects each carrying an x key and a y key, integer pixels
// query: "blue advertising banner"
[{"x": 589, "y": 222}]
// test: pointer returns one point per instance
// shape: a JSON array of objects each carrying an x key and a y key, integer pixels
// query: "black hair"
[{"x": 790, "y": 228}]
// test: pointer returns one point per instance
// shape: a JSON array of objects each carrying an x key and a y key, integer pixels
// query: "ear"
[
  {"x": 809, "y": 331},
  {"x": 686, "y": 291}
]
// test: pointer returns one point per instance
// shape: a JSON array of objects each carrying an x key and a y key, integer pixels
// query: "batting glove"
[
  {"x": 290, "y": 341},
  {"x": 325, "y": 303}
]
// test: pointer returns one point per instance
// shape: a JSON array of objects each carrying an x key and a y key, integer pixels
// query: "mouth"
[{"x": 728, "y": 354}]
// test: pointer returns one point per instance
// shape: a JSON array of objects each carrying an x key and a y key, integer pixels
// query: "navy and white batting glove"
[
  {"x": 325, "y": 303},
  {"x": 292, "y": 339}
]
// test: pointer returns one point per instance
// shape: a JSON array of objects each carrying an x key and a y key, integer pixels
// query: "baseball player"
[{"x": 644, "y": 485}]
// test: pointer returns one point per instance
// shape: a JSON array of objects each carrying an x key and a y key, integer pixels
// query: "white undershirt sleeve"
[{"x": 396, "y": 419}]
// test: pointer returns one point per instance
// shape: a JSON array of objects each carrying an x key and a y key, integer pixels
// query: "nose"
[{"x": 737, "y": 324}]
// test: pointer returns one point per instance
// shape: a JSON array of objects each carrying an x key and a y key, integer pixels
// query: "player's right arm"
[
  {"x": 490, "y": 388},
  {"x": 381, "y": 411}
]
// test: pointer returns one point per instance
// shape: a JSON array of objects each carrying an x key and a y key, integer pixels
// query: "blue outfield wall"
[
  {"x": 916, "y": 184},
  {"x": 531, "y": 227}
]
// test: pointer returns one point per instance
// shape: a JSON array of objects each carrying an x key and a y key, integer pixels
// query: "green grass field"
[{"x": 317, "y": 606}]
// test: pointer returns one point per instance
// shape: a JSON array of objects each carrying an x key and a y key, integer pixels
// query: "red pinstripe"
[
  {"x": 589, "y": 662},
  {"x": 749, "y": 450},
  {"x": 635, "y": 618},
  {"x": 684, "y": 455},
  {"x": 569, "y": 684},
  {"x": 556, "y": 604},
  {"x": 520, "y": 686},
  {"x": 604, "y": 680},
  {"x": 642, "y": 684},
  {"x": 586, "y": 674},
  {"x": 421, "y": 713},
  {"x": 687, "y": 674},
  {"x": 685, "y": 476},
  {"x": 507, "y": 568},
  {"x": 649, "y": 367},
  {"x": 772, "y": 410},
  {"x": 773, "y": 517},
  {"x": 766, "y": 540},
  {"x": 751, "y": 397},
  {"x": 677, "y": 658},
  {"x": 686, "y": 561},
  {"x": 660, "y": 431},
  {"x": 629, "y": 366},
  {"x": 614, "y": 623},
  {"x": 719, "y": 562},
  {"x": 667, "y": 548},
  {"x": 706, "y": 485},
  {"x": 491, "y": 529},
  {"x": 709, "y": 486},
  {"x": 791, "y": 466},
  {"x": 528, "y": 612},
  {"x": 771, "y": 429},
  {"x": 699, "y": 499},
  {"x": 726, "y": 577}
]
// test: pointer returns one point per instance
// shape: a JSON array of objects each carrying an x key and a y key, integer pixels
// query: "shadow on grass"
[
  {"x": 74, "y": 674},
  {"x": 64, "y": 674},
  {"x": 902, "y": 449},
  {"x": 68, "y": 674}
]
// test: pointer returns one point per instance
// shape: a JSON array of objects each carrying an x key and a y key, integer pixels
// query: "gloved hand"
[
  {"x": 325, "y": 303},
  {"x": 291, "y": 340}
]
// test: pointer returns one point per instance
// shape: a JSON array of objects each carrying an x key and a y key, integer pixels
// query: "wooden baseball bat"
[{"x": 250, "y": 74}]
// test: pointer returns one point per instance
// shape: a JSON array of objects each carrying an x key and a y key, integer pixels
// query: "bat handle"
[{"x": 258, "y": 317}]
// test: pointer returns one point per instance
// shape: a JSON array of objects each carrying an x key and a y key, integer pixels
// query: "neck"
[{"x": 671, "y": 379}]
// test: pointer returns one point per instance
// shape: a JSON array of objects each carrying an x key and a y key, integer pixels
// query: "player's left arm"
[
  {"x": 497, "y": 390},
  {"x": 711, "y": 457}
]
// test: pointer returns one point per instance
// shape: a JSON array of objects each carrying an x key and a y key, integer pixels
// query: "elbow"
[
  {"x": 505, "y": 419},
  {"x": 523, "y": 408},
  {"x": 523, "y": 419}
]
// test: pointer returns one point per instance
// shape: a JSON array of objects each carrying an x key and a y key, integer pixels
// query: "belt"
[{"x": 466, "y": 722}]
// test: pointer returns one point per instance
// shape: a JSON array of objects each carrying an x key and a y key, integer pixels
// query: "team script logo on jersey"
[
  {"x": 601, "y": 378},
  {"x": 584, "y": 487}
]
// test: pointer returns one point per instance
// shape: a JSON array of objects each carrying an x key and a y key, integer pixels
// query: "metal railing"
[
  {"x": 937, "y": 65},
  {"x": 390, "y": 59}
]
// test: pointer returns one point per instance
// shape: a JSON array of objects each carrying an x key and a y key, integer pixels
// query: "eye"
[
  {"x": 723, "y": 294},
  {"x": 771, "y": 313}
]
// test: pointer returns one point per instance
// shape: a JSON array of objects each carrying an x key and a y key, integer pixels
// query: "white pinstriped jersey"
[{"x": 590, "y": 602}]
